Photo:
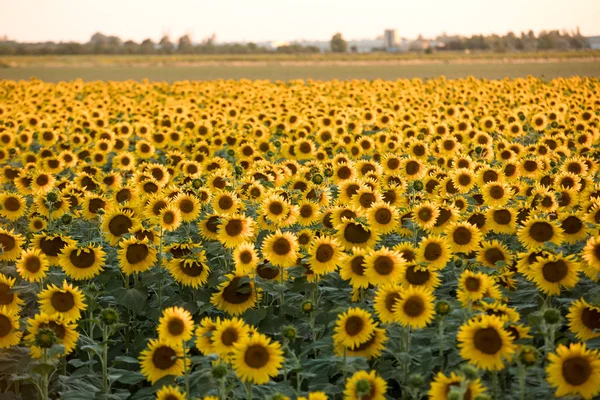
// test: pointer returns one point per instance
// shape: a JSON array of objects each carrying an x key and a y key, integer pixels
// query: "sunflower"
[
  {"x": 572, "y": 224},
  {"x": 257, "y": 359},
  {"x": 355, "y": 386},
  {"x": 464, "y": 237},
  {"x": 537, "y": 231},
  {"x": 383, "y": 266},
  {"x": 442, "y": 384},
  {"x": 226, "y": 203},
  {"x": 281, "y": 249},
  {"x": 434, "y": 251},
  {"x": 91, "y": 205},
  {"x": 354, "y": 234},
  {"x": 66, "y": 301},
  {"x": 417, "y": 275},
  {"x": 82, "y": 262},
  {"x": 170, "y": 218},
  {"x": 493, "y": 252},
  {"x": 485, "y": 343},
  {"x": 209, "y": 226},
  {"x": 190, "y": 271},
  {"x": 170, "y": 393},
  {"x": 352, "y": 268},
  {"x": 12, "y": 206},
  {"x": 175, "y": 326},
  {"x": 10, "y": 334},
  {"x": 9, "y": 300},
  {"x": 66, "y": 333},
  {"x": 226, "y": 334},
  {"x": 474, "y": 284},
  {"x": 33, "y": 265},
  {"x": 204, "y": 335},
  {"x": 496, "y": 194},
  {"x": 554, "y": 272},
  {"x": 117, "y": 223},
  {"x": 574, "y": 370},
  {"x": 236, "y": 295},
  {"x": 353, "y": 327},
  {"x": 136, "y": 255},
  {"x": 308, "y": 213},
  {"x": 415, "y": 308},
  {"x": 500, "y": 310},
  {"x": 10, "y": 245},
  {"x": 382, "y": 217},
  {"x": 584, "y": 320},
  {"x": 160, "y": 359},
  {"x": 235, "y": 229},
  {"x": 372, "y": 348},
  {"x": 42, "y": 182},
  {"x": 591, "y": 256},
  {"x": 324, "y": 255},
  {"x": 245, "y": 258},
  {"x": 425, "y": 215},
  {"x": 502, "y": 220}
]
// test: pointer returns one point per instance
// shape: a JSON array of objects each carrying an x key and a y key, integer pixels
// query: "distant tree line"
[
  {"x": 526, "y": 41},
  {"x": 103, "y": 44}
]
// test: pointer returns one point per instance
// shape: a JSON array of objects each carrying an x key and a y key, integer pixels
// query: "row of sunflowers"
[{"x": 300, "y": 240}]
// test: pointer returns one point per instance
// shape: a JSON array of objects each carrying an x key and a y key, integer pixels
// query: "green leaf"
[
  {"x": 133, "y": 299},
  {"x": 127, "y": 359},
  {"x": 43, "y": 369}
]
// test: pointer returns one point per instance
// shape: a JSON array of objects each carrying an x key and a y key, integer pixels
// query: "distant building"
[
  {"x": 390, "y": 38},
  {"x": 594, "y": 42}
]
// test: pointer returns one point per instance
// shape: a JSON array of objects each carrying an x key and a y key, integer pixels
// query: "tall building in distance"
[{"x": 390, "y": 38}]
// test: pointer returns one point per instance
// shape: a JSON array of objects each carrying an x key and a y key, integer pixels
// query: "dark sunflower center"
[
  {"x": 136, "y": 253},
  {"x": 472, "y": 284},
  {"x": 175, "y": 326},
  {"x": 412, "y": 167},
  {"x": 225, "y": 202},
  {"x": 414, "y": 306},
  {"x": 266, "y": 271},
  {"x": 502, "y": 217},
  {"x": 42, "y": 180},
  {"x": 572, "y": 225},
  {"x": 62, "y": 302},
  {"x": 324, "y": 253},
  {"x": 493, "y": 255},
  {"x": 354, "y": 325},
  {"x": 355, "y": 233},
  {"x": 12, "y": 204},
  {"x": 232, "y": 295},
  {"x": 425, "y": 214},
  {"x": 576, "y": 370},
  {"x": 276, "y": 208},
  {"x": 306, "y": 211},
  {"x": 366, "y": 200},
  {"x": 164, "y": 357},
  {"x": 487, "y": 341},
  {"x": 169, "y": 217},
  {"x": 464, "y": 180},
  {"x": 83, "y": 258},
  {"x": 32, "y": 264},
  {"x": 394, "y": 163},
  {"x": 383, "y": 216},
  {"x": 590, "y": 317},
  {"x": 256, "y": 356},
  {"x": 96, "y": 204},
  {"x": 433, "y": 251},
  {"x": 282, "y": 246},
  {"x": 443, "y": 217},
  {"x": 191, "y": 268},
  {"x": 358, "y": 265},
  {"x": 158, "y": 206},
  {"x": 530, "y": 166},
  {"x": 212, "y": 224},
  {"x": 120, "y": 225},
  {"x": 390, "y": 300},
  {"x": 462, "y": 236},
  {"x": 496, "y": 192},
  {"x": 347, "y": 214},
  {"x": 8, "y": 242},
  {"x": 234, "y": 227},
  {"x": 384, "y": 265},
  {"x": 541, "y": 231},
  {"x": 5, "y": 296},
  {"x": 555, "y": 271},
  {"x": 417, "y": 276},
  {"x": 246, "y": 257},
  {"x": 5, "y": 326},
  {"x": 229, "y": 336},
  {"x": 344, "y": 172}
]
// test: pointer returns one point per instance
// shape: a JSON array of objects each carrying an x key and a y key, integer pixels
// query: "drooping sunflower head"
[{"x": 236, "y": 295}]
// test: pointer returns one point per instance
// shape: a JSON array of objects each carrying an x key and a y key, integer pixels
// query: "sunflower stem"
[
  {"x": 344, "y": 367},
  {"x": 45, "y": 382},
  {"x": 249, "y": 390},
  {"x": 222, "y": 393},
  {"x": 105, "y": 360},
  {"x": 186, "y": 372},
  {"x": 441, "y": 342},
  {"x": 522, "y": 375},
  {"x": 495, "y": 385},
  {"x": 160, "y": 275},
  {"x": 281, "y": 298}
]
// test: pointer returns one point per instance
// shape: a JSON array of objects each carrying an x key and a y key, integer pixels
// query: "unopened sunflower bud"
[
  {"x": 109, "y": 316},
  {"x": 66, "y": 219},
  {"x": 238, "y": 170},
  {"x": 219, "y": 371},
  {"x": 277, "y": 143},
  {"x": 231, "y": 152},
  {"x": 289, "y": 332},
  {"x": 45, "y": 338},
  {"x": 442, "y": 307},
  {"x": 307, "y": 306},
  {"x": 363, "y": 388},
  {"x": 528, "y": 356},
  {"x": 551, "y": 316},
  {"x": 470, "y": 372},
  {"x": 197, "y": 183},
  {"x": 455, "y": 394},
  {"x": 328, "y": 172},
  {"x": 51, "y": 197},
  {"x": 416, "y": 380},
  {"x": 418, "y": 185},
  {"x": 317, "y": 179}
]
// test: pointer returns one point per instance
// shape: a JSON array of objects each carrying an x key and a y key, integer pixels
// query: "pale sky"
[{"x": 260, "y": 20}]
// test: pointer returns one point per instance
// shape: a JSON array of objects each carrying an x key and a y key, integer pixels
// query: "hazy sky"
[{"x": 258, "y": 20}]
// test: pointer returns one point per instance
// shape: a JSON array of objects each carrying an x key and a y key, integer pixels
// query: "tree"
[
  {"x": 185, "y": 44},
  {"x": 165, "y": 44},
  {"x": 338, "y": 44}
]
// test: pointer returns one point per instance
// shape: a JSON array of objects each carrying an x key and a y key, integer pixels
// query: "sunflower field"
[{"x": 361, "y": 240}]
